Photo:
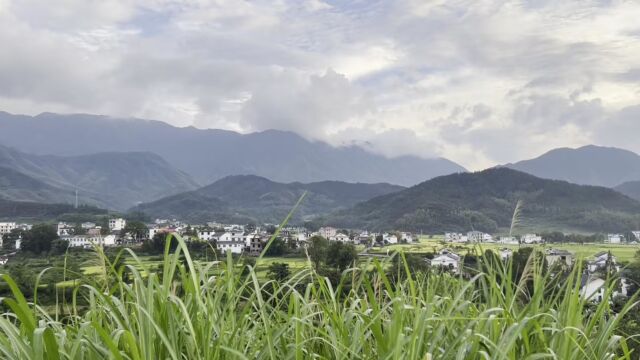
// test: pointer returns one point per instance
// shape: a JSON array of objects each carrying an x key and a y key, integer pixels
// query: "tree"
[
  {"x": 340, "y": 255},
  {"x": 136, "y": 229},
  {"x": 157, "y": 243},
  {"x": 317, "y": 250},
  {"x": 59, "y": 246},
  {"x": 39, "y": 239},
  {"x": 9, "y": 240},
  {"x": 278, "y": 271},
  {"x": 277, "y": 248}
]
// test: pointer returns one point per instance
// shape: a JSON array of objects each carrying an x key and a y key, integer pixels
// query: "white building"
[
  {"x": 206, "y": 234},
  {"x": 389, "y": 238},
  {"x": 6, "y": 227},
  {"x": 327, "y": 232},
  {"x": 446, "y": 259},
  {"x": 117, "y": 224},
  {"x": 592, "y": 288},
  {"x": 231, "y": 236},
  {"x": 455, "y": 237},
  {"x": 83, "y": 241},
  {"x": 64, "y": 229},
  {"x": 508, "y": 240},
  {"x": 636, "y": 234},
  {"x": 487, "y": 238},
  {"x": 406, "y": 237},
  {"x": 614, "y": 239},
  {"x": 475, "y": 236},
  {"x": 88, "y": 225},
  {"x": 531, "y": 239},
  {"x": 600, "y": 261},
  {"x": 341, "y": 237},
  {"x": 236, "y": 247}
]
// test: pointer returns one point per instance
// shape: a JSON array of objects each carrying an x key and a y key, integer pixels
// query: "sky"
[{"x": 480, "y": 82}]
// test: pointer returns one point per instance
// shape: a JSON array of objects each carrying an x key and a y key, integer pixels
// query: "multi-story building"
[
  {"x": 614, "y": 238},
  {"x": 117, "y": 224},
  {"x": 327, "y": 232},
  {"x": 7, "y": 227}
]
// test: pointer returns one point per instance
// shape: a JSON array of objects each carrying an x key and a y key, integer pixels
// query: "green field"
[{"x": 624, "y": 253}]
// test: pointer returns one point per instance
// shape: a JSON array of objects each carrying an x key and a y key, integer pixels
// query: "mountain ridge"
[
  {"x": 485, "y": 201},
  {"x": 211, "y": 154},
  {"x": 586, "y": 165},
  {"x": 114, "y": 180},
  {"x": 255, "y": 198}
]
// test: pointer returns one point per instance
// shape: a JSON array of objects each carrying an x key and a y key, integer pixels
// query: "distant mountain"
[
  {"x": 631, "y": 189},
  {"x": 29, "y": 210},
  {"x": 588, "y": 165},
  {"x": 111, "y": 180},
  {"x": 254, "y": 198},
  {"x": 210, "y": 155},
  {"x": 486, "y": 200}
]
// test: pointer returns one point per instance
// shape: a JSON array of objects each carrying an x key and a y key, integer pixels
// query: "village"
[{"x": 251, "y": 239}]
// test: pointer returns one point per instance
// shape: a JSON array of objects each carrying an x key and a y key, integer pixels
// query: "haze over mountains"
[
  {"x": 587, "y": 165},
  {"x": 109, "y": 180},
  {"x": 486, "y": 201},
  {"x": 209, "y": 155},
  {"x": 251, "y": 198}
]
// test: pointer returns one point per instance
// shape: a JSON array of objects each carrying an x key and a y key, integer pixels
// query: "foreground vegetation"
[{"x": 394, "y": 310}]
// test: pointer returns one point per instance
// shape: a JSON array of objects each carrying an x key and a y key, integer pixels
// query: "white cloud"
[{"x": 480, "y": 82}]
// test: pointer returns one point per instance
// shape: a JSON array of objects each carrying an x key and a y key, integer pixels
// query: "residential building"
[
  {"x": 389, "y": 238},
  {"x": 3, "y": 260},
  {"x": 7, "y": 227},
  {"x": 117, "y": 224},
  {"x": 446, "y": 259},
  {"x": 88, "y": 225},
  {"x": 206, "y": 234},
  {"x": 235, "y": 246},
  {"x": 256, "y": 244},
  {"x": 601, "y": 260},
  {"x": 475, "y": 236},
  {"x": 341, "y": 237},
  {"x": 508, "y": 240},
  {"x": 364, "y": 238},
  {"x": 559, "y": 257},
  {"x": 614, "y": 238},
  {"x": 531, "y": 239},
  {"x": 636, "y": 234},
  {"x": 406, "y": 237},
  {"x": 231, "y": 236},
  {"x": 327, "y": 232},
  {"x": 455, "y": 237},
  {"x": 64, "y": 229},
  {"x": 592, "y": 287},
  {"x": 84, "y": 241}
]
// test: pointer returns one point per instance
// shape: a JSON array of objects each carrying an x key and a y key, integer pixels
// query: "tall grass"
[{"x": 183, "y": 312}]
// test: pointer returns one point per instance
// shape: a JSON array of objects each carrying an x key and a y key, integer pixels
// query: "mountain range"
[
  {"x": 486, "y": 201},
  {"x": 115, "y": 180},
  {"x": 248, "y": 198},
  {"x": 209, "y": 155},
  {"x": 587, "y": 165}
]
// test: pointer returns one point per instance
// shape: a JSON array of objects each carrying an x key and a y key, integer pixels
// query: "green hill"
[
  {"x": 631, "y": 189},
  {"x": 485, "y": 201},
  {"x": 27, "y": 210},
  {"x": 109, "y": 180},
  {"x": 263, "y": 200}
]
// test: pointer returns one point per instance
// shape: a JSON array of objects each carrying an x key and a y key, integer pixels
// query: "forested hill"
[
  {"x": 486, "y": 200},
  {"x": 262, "y": 200}
]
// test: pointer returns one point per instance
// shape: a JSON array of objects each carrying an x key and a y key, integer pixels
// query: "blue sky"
[{"x": 479, "y": 82}]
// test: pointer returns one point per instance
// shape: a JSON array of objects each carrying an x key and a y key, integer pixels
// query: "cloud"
[{"x": 478, "y": 82}]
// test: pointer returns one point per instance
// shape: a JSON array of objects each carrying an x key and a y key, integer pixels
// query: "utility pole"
[{"x": 76, "y": 198}]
